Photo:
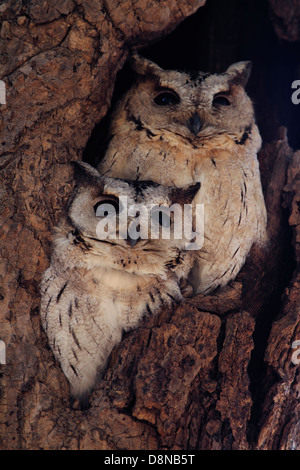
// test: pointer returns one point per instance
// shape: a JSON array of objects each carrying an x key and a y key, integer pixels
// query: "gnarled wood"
[{"x": 214, "y": 373}]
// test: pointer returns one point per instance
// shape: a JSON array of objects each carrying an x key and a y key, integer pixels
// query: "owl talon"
[{"x": 187, "y": 290}]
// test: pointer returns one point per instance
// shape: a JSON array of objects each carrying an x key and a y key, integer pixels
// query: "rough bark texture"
[
  {"x": 214, "y": 373},
  {"x": 286, "y": 19}
]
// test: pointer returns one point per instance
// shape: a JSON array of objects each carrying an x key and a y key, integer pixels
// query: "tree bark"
[
  {"x": 216, "y": 372},
  {"x": 286, "y": 19}
]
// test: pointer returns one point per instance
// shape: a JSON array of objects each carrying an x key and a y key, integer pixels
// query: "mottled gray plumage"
[{"x": 97, "y": 288}]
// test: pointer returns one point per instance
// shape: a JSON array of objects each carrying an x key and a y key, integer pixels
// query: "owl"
[
  {"x": 108, "y": 270},
  {"x": 178, "y": 128}
]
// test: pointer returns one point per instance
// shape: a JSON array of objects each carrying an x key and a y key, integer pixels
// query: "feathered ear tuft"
[
  {"x": 186, "y": 194},
  {"x": 240, "y": 72},
  {"x": 83, "y": 172},
  {"x": 143, "y": 66}
]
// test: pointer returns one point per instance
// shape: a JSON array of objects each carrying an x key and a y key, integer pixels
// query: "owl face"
[
  {"x": 126, "y": 224},
  {"x": 194, "y": 105}
]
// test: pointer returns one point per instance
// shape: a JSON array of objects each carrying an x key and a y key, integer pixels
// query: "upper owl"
[
  {"x": 177, "y": 128},
  {"x": 190, "y": 106}
]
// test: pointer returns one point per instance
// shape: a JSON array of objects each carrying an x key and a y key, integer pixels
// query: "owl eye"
[
  {"x": 161, "y": 217},
  {"x": 221, "y": 100},
  {"x": 167, "y": 98},
  {"x": 107, "y": 207}
]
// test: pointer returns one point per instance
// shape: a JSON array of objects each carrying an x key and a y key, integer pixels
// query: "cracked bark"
[
  {"x": 286, "y": 19},
  {"x": 213, "y": 373}
]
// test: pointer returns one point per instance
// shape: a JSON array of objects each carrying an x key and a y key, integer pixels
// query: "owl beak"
[
  {"x": 132, "y": 241},
  {"x": 195, "y": 123}
]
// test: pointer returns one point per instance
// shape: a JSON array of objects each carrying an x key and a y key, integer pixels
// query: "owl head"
[
  {"x": 192, "y": 105},
  {"x": 127, "y": 225}
]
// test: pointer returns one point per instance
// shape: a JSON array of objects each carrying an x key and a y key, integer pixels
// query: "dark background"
[
  {"x": 219, "y": 34},
  {"x": 226, "y": 31}
]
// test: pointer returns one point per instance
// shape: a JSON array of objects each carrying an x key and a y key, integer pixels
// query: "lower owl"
[
  {"x": 101, "y": 283},
  {"x": 178, "y": 128}
]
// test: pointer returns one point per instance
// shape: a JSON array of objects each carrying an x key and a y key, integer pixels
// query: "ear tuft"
[
  {"x": 240, "y": 72},
  {"x": 143, "y": 66},
  {"x": 186, "y": 194},
  {"x": 84, "y": 172}
]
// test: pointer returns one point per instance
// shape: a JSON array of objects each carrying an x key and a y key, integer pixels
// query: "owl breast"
[{"x": 234, "y": 209}]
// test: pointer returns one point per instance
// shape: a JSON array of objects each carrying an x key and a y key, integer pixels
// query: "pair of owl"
[{"x": 174, "y": 137}]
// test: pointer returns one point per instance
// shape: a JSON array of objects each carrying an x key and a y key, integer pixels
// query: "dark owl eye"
[
  {"x": 221, "y": 100},
  {"x": 167, "y": 98},
  {"x": 107, "y": 207}
]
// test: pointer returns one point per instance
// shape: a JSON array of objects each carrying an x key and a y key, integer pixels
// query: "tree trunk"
[{"x": 217, "y": 372}]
